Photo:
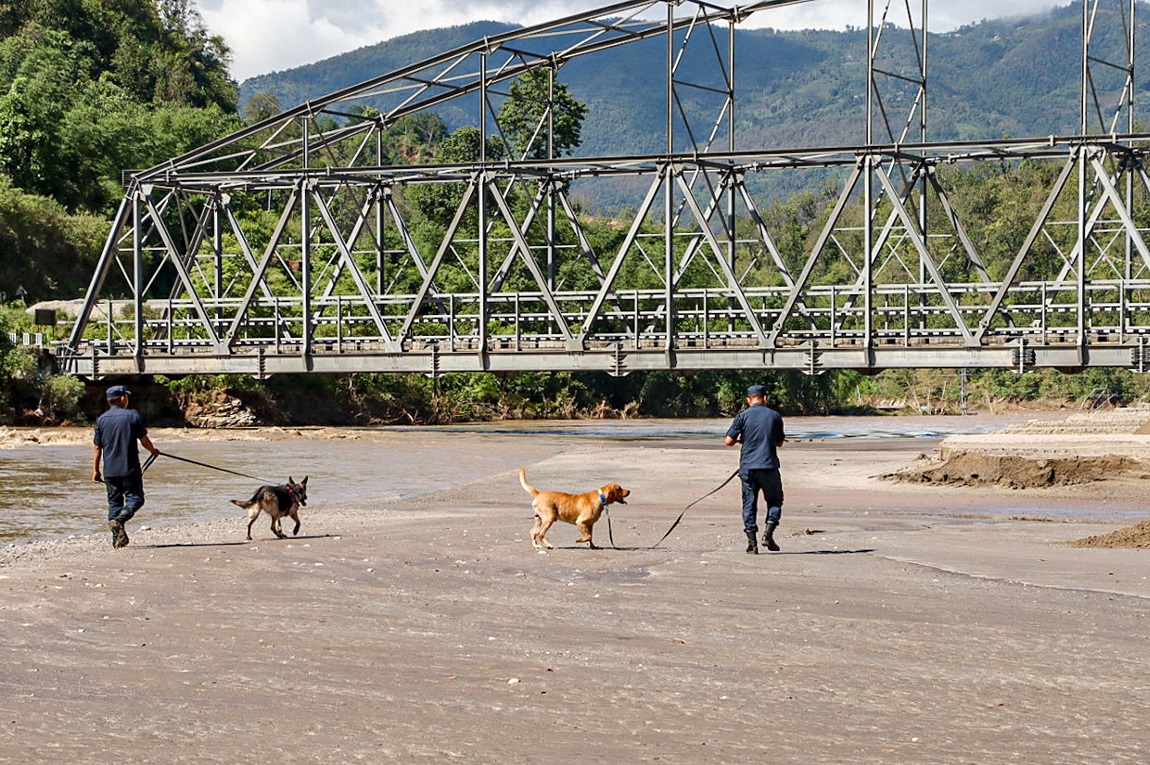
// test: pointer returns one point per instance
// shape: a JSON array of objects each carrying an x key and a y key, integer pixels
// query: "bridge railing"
[{"x": 462, "y": 325}]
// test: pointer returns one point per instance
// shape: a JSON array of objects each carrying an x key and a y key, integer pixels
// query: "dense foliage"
[{"x": 88, "y": 88}]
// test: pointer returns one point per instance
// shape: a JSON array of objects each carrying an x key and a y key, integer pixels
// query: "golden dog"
[
  {"x": 582, "y": 510},
  {"x": 277, "y": 501}
]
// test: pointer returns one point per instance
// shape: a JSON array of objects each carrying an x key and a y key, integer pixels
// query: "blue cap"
[
  {"x": 756, "y": 390},
  {"x": 118, "y": 390}
]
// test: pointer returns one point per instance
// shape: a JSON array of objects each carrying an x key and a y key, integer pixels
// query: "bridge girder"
[{"x": 333, "y": 279}]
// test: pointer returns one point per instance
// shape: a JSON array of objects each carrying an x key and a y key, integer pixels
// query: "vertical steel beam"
[
  {"x": 137, "y": 276},
  {"x": 305, "y": 245},
  {"x": 1080, "y": 282},
  {"x": 1084, "y": 83},
  {"x": 305, "y": 265},
  {"x": 733, "y": 186},
  {"x": 869, "y": 255},
  {"x": 484, "y": 307},
  {"x": 377, "y": 196},
  {"x": 868, "y": 136},
  {"x": 923, "y": 221},
  {"x": 550, "y": 185},
  {"x": 669, "y": 194},
  {"x": 217, "y": 203}
]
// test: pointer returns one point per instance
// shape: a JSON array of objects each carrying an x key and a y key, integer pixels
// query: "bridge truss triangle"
[{"x": 299, "y": 244}]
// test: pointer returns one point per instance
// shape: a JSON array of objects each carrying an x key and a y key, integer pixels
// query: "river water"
[{"x": 48, "y": 492}]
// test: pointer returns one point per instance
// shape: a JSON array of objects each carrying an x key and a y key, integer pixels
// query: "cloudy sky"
[{"x": 270, "y": 35}]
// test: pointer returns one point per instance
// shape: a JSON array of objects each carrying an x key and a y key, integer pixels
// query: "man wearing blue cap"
[
  {"x": 760, "y": 429},
  {"x": 117, "y": 431}
]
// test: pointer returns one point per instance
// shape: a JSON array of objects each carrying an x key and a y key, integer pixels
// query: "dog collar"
[{"x": 602, "y": 498}]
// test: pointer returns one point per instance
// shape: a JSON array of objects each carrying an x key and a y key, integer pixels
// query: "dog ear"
[{"x": 304, "y": 481}]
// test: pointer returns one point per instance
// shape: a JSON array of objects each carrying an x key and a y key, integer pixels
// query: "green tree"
[
  {"x": 83, "y": 81},
  {"x": 541, "y": 118},
  {"x": 434, "y": 204},
  {"x": 260, "y": 107},
  {"x": 47, "y": 251}
]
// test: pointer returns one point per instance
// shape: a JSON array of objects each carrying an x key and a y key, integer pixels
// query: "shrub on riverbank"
[
  {"x": 390, "y": 399},
  {"x": 30, "y": 394}
]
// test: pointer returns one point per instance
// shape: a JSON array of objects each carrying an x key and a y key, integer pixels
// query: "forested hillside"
[
  {"x": 1016, "y": 77},
  {"x": 87, "y": 89}
]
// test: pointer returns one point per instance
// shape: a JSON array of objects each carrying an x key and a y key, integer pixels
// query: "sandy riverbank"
[
  {"x": 902, "y": 623},
  {"x": 16, "y": 438}
]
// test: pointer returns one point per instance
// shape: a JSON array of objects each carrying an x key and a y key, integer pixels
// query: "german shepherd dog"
[{"x": 278, "y": 502}]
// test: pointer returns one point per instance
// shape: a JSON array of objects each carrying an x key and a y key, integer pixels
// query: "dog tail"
[
  {"x": 523, "y": 482},
  {"x": 250, "y": 502}
]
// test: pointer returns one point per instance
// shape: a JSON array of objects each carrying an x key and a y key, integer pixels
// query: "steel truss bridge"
[{"x": 291, "y": 246}]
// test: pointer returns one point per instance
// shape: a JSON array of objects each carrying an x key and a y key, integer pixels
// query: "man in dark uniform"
[
  {"x": 117, "y": 431},
  {"x": 760, "y": 429}
]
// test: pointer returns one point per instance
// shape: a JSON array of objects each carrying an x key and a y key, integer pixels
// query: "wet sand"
[{"x": 900, "y": 624}]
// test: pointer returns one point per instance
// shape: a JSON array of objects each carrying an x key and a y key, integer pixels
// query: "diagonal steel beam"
[
  {"x": 524, "y": 249},
  {"x": 349, "y": 263},
  {"x": 245, "y": 247},
  {"x": 1016, "y": 265},
  {"x": 717, "y": 250},
  {"x": 620, "y": 256},
  {"x": 178, "y": 264},
  {"x": 262, "y": 266},
  {"x": 96, "y": 285},
  {"x": 956, "y": 223},
  {"x": 436, "y": 262},
  {"x": 793, "y": 297},
  {"x": 925, "y": 258}
]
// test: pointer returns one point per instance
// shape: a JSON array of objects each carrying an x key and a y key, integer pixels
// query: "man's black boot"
[
  {"x": 769, "y": 537},
  {"x": 752, "y": 545}
]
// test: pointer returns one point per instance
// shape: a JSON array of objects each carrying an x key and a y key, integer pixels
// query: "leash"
[
  {"x": 607, "y": 512},
  {"x": 213, "y": 467},
  {"x": 685, "y": 509}
]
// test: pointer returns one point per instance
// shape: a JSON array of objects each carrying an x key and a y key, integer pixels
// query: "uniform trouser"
[
  {"x": 770, "y": 483},
  {"x": 125, "y": 496}
]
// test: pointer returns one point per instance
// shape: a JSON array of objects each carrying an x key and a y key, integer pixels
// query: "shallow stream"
[{"x": 48, "y": 491}]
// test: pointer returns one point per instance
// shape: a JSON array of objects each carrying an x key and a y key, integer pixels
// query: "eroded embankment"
[
  {"x": 963, "y": 467},
  {"x": 1084, "y": 448},
  {"x": 1136, "y": 536}
]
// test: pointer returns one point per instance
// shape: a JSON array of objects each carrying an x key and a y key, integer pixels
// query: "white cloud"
[
  {"x": 269, "y": 35},
  {"x": 941, "y": 16}
]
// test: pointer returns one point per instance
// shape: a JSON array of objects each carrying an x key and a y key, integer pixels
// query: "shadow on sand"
[{"x": 232, "y": 544}]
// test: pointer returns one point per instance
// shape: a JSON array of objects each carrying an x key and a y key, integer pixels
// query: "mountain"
[{"x": 1007, "y": 77}]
